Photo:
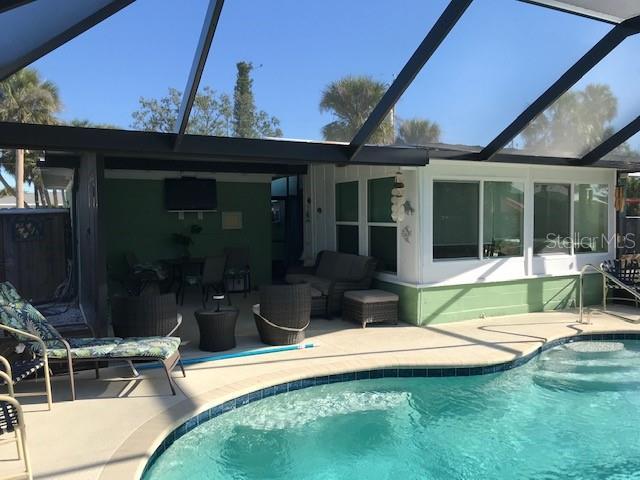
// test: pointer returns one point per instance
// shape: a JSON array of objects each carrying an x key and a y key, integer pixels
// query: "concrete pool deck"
[{"x": 116, "y": 423}]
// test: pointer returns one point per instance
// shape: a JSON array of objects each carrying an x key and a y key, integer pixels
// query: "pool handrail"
[{"x": 605, "y": 276}]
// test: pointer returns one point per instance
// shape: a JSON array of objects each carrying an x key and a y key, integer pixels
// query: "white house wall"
[{"x": 416, "y": 265}]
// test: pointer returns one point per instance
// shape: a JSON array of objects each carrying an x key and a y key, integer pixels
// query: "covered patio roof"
[{"x": 37, "y": 27}]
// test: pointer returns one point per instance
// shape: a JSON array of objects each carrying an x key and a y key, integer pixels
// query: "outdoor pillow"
[
  {"x": 9, "y": 294},
  {"x": 24, "y": 316}
]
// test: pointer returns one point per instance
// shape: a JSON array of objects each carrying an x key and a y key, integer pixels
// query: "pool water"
[{"x": 571, "y": 413}]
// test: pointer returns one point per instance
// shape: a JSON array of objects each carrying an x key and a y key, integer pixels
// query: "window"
[
  {"x": 347, "y": 231},
  {"x": 383, "y": 243},
  {"x": 455, "y": 219},
  {"x": 502, "y": 219},
  {"x": 590, "y": 203},
  {"x": 284, "y": 186},
  {"x": 551, "y": 218}
]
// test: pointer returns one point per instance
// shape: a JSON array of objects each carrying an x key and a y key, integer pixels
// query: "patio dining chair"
[
  {"x": 12, "y": 421},
  {"x": 238, "y": 270},
  {"x": 26, "y": 324},
  {"x": 625, "y": 271},
  {"x": 19, "y": 370},
  {"x": 213, "y": 278}
]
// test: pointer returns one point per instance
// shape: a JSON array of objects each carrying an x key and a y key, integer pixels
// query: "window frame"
[
  {"x": 572, "y": 217},
  {"x": 481, "y": 180},
  {"x": 337, "y": 222},
  {"x": 369, "y": 224}
]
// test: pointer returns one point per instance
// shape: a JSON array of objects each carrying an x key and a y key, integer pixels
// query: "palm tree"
[
  {"x": 351, "y": 99},
  {"x": 26, "y": 98},
  {"x": 418, "y": 131},
  {"x": 578, "y": 121}
]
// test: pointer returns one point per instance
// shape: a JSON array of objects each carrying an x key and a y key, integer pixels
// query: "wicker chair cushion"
[
  {"x": 153, "y": 347},
  {"x": 371, "y": 296},
  {"x": 334, "y": 265},
  {"x": 321, "y": 284},
  {"x": 315, "y": 293},
  {"x": 293, "y": 278},
  {"x": 359, "y": 267}
]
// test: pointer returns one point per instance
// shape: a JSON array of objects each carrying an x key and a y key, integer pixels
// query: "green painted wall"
[
  {"x": 465, "y": 302},
  {"x": 137, "y": 221}
]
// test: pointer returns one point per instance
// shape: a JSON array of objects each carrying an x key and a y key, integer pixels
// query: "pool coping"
[{"x": 165, "y": 440}]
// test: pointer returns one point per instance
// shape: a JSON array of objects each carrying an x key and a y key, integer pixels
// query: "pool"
[{"x": 571, "y": 413}]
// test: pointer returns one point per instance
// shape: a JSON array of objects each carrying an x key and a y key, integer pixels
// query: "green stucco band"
[
  {"x": 433, "y": 305},
  {"x": 136, "y": 221}
]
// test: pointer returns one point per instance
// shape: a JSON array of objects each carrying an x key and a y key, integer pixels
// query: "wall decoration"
[
  {"x": 27, "y": 229},
  {"x": 405, "y": 233},
  {"x": 276, "y": 211},
  {"x": 397, "y": 199},
  {"x": 307, "y": 213},
  {"x": 232, "y": 220},
  {"x": 408, "y": 208}
]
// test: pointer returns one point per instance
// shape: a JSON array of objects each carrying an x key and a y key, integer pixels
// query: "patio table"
[{"x": 217, "y": 328}]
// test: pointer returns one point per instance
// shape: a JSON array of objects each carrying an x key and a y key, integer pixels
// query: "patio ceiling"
[
  {"x": 39, "y": 27},
  {"x": 615, "y": 11}
]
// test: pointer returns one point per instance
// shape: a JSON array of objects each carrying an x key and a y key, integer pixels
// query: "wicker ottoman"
[{"x": 369, "y": 306}]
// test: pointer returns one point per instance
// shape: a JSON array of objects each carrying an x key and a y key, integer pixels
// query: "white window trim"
[
  {"x": 343, "y": 222},
  {"x": 572, "y": 216},
  {"x": 367, "y": 246},
  {"x": 481, "y": 180}
]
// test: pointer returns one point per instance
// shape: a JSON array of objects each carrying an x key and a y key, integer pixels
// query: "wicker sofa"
[{"x": 335, "y": 273}]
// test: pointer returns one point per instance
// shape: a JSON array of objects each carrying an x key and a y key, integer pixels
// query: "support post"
[{"x": 19, "y": 178}]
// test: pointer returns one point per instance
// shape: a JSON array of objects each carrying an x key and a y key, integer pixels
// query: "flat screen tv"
[{"x": 190, "y": 194}]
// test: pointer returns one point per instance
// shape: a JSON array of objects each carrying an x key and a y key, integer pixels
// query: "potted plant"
[{"x": 185, "y": 240}]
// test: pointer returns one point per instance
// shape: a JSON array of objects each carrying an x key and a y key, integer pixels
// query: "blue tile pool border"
[{"x": 392, "y": 372}]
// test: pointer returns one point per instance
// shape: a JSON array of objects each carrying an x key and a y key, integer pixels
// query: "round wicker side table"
[{"x": 217, "y": 328}]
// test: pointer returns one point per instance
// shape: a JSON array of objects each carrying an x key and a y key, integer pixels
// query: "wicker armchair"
[
  {"x": 283, "y": 314},
  {"x": 144, "y": 316}
]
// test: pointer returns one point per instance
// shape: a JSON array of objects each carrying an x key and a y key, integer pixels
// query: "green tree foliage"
[
  {"x": 632, "y": 196},
  {"x": 582, "y": 116},
  {"x": 210, "y": 114},
  {"x": 350, "y": 100},
  {"x": 26, "y": 98},
  {"x": 244, "y": 108},
  {"x": 418, "y": 131},
  {"x": 86, "y": 123},
  {"x": 247, "y": 121}
]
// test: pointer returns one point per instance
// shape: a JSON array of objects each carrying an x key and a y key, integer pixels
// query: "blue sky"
[{"x": 500, "y": 57}]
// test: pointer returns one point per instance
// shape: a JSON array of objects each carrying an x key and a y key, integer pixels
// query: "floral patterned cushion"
[
  {"x": 81, "y": 347},
  {"x": 113, "y": 347},
  {"x": 9, "y": 294},
  {"x": 155, "y": 347},
  {"x": 24, "y": 316}
]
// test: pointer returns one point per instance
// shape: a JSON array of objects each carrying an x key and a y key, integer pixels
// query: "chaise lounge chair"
[{"x": 26, "y": 324}]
